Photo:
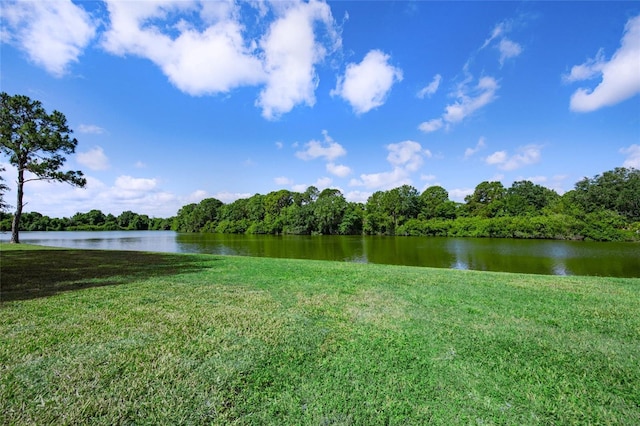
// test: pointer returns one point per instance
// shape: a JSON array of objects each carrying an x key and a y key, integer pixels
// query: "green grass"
[{"x": 141, "y": 338}]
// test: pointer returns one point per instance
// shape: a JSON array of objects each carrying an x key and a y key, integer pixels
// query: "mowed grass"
[{"x": 98, "y": 337}]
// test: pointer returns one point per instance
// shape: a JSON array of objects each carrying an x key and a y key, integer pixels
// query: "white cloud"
[
  {"x": 283, "y": 181},
  {"x": 94, "y": 159},
  {"x": 140, "y": 165},
  {"x": 633, "y": 156},
  {"x": 91, "y": 129},
  {"x": 129, "y": 183},
  {"x": 329, "y": 149},
  {"x": 405, "y": 157},
  {"x": 468, "y": 101},
  {"x": 339, "y": 170},
  {"x": 196, "y": 196},
  {"x": 291, "y": 52},
  {"x": 497, "y": 157},
  {"x": 537, "y": 179},
  {"x": 140, "y": 195},
  {"x": 321, "y": 183},
  {"x": 52, "y": 33},
  {"x": 526, "y": 155},
  {"x": 366, "y": 85},
  {"x": 458, "y": 194},
  {"x": 407, "y": 154},
  {"x": 279, "y": 145},
  {"x": 431, "y": 125},
  {"x": 229, "y": 197},
  {"x": 357, "y": 196},
  {"x": 620, "y": 75},
  {"x": 508, "y": 49},
  {"x": 471, "y": 151},
  {"x": 384, "y": 180},
  {"x": 430, "y": 88},
  {"x": 590, "y": 69},
  {"x": 498, "y": 30},
  {"x": 215, "y": 59}
]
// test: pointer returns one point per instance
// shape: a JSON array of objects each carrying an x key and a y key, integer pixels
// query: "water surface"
[{"x": 485, "y": 254}]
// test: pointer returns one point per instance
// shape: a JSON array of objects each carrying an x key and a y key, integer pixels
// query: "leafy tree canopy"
[{"x": 35, "y": 143}]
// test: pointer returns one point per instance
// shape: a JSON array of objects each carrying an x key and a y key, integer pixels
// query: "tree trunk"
[{"x": 15, "y": 224}]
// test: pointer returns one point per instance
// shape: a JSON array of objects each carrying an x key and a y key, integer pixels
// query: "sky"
[{"x": 176, "y": 101}]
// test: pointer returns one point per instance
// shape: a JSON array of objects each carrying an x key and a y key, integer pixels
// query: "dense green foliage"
[
  {"x": 94, "y": 220},
  {"x": 198, "y": 339},
  {"x": 36, "y": 143},
  {"x": 604, "y": 208}
]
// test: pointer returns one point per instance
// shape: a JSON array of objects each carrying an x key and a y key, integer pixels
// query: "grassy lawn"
[{"x": 141, "y": 338}]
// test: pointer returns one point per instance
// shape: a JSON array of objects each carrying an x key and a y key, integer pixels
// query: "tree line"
[
  {"x": 603, "y": 208},
  {"x": 94, "y": 220}
]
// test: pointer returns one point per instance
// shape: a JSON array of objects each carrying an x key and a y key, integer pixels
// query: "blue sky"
[{"x": 176, "y": 101}]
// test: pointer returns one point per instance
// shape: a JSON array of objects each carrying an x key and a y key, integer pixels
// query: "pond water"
[{"x": 486, "y": 254}]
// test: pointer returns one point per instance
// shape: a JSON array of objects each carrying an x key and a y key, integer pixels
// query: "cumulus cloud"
[
  {"x": 405, "y": 157},
  {"x": 459, "y": 194},
  {"x": 291, "y": 52},
  {"x": 202, "y": 47},
  {"x": 212, "y": 60},
  {"x": 431, "y": 125},
  {"x": 321, "y": 184},
  {"x": 213, "y": 54},
  {"x": 329, "y": 149},
  {"x": 384, "y": 180},
  {"x": 141, "y": 195},
  {"x": 357, "y": 196},
  {"x": 620, "y": 76},
  {"x": 633, "y": 156},
  {"x": 52, "y": 33},
  {"x": 526, "y": 155},
  {"x": 498, "y": 157},
  {"x": 468, "y": 101},
  {"x": 339, "y": 170},
  {"x": 366, "y": 85},
  {"x": 229, "y": 197},
  {"x": 128, "y": 183},
  {"x": 407, "y": 154},
  {"x": 589, "y": 69},
  {"x": 430, "y": 88},
  {"x": 471, "y": 151},
  {"x": 94, "y": 159}
]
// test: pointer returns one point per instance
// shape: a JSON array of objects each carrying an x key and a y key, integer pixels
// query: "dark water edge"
[{"x": 549, "y": 257}]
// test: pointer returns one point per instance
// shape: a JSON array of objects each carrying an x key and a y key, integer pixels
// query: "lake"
[{"x": 485, "y": 254}]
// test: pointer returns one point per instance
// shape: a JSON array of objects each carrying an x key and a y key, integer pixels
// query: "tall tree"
[
  {"x": 486, "y": 200},
  {"x": 35, "y": 143}
]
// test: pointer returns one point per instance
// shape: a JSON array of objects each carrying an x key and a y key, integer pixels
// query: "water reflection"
[{"x": 527, "y": 256}]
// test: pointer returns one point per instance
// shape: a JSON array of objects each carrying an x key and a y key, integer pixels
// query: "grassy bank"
[{"x": 115, "y": 338}]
